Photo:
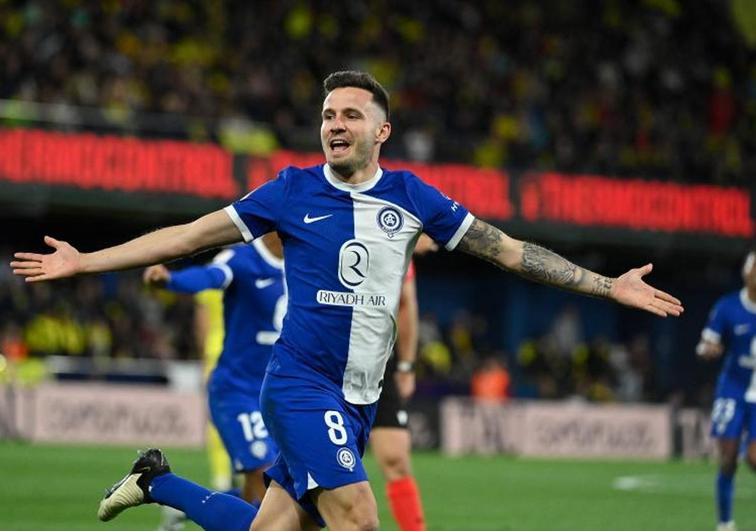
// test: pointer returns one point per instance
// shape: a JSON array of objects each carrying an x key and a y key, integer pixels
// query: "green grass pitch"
[{"x": 57, "y": 488}]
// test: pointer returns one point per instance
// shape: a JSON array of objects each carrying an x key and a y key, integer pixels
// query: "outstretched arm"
[
  {"x": 542, "y": 265},
  {"x": 162, "y": 245}
]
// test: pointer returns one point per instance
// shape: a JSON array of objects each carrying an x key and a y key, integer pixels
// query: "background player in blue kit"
[
  {"x": 348, "y": 229},
  {"x": 731, "y": 330},
  {"x": 254, "y": 304}
]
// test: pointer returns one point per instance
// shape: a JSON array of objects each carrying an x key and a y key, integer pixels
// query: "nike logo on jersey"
[
  {"x": 262, "y": 283},
  {"x": 308, "y": 219},
  {"x": 741, "y": 329}
]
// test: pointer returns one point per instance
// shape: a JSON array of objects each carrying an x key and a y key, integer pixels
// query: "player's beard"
[{"x": 360, "y": 159}]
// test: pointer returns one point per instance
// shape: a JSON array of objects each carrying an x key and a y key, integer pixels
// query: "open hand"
[
  {"x": 631, "y": 290},
  {"x": 64, "y": 262}
]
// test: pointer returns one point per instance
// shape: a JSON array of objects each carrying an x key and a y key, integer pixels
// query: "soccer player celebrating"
[
  {"x": 731, "y": 330},
  {"x": 254, "y": 304},
  {"x": 348, "y": 229}
]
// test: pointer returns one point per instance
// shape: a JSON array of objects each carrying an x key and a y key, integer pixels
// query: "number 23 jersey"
[{"x": 733, "y": 324}]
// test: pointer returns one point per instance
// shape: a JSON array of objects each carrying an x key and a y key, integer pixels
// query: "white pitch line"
[{"x": 635, "y": 482}]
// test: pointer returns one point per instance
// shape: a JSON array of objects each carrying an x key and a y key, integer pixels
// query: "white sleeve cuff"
[
  {"x": 461, "y": 231},
  {"x": 710, "y": 335},
  {"x": 234, "y": 215}
]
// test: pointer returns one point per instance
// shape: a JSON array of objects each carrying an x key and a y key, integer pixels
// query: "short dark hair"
[{"x": 363, "y": 80}]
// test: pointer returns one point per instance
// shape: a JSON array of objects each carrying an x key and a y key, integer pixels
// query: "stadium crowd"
[
  {"x": 660, "y": 88},
  {"x": 110, "y": 316},
  {"x": 557, "y": 364}
]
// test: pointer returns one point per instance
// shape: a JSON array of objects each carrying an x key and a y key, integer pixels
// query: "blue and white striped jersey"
[
  {"x": 733, "y": 323},
  {"x": 347, "y": 249}
]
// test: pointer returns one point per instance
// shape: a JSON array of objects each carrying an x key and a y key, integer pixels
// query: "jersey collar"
[
  {"x": 346, "y": 187},
  {"x": 272, "y": 260},
  {"x": 747, "y": 303}
]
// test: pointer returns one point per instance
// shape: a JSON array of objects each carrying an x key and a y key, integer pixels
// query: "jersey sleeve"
[
  {"x": 227, "y": 262},
  {"x": 216, "y": 275},
  {"x": 444, "y": 220},
  {"x": 196, "y": 279},
  {"x": 716, "y": 325},
  {"x": 258, "y": 212}
]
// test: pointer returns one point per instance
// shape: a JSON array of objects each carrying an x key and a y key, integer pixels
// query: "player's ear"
[
  {"x": 383, "y": 133},
  {"x": 748, "y": 264}
]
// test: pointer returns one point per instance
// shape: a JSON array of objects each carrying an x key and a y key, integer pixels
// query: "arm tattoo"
[
  {"x": 482, "y": 240},
  {"x": 537, "y": 263},
  {"x": 546, "y": 266},
  {"x": 602, "y": 286}
]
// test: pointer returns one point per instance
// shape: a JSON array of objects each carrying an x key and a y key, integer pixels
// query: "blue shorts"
[
  {"x": 320, "y": 436},
  {"x": 239, "y": 422},
  {"x": 730, "y": 417}
]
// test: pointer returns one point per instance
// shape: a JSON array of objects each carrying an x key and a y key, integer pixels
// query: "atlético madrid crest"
[
  {"x": 390, "y": 220},
  {"x": 345, "y": 458}
]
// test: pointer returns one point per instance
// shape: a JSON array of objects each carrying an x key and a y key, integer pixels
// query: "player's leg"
[
  {"x": 151, "y": 481},
  {"x": 221, "y": 479},
  {"x": 279, "y": 511},
  {"x": 250, "y": 447},
  {"x": 348, "y": 508},
  {"x": 728, "y": 463},
  {"x": 221, "y": 474},
  {"x": 254, "y": 484},
  {"x": 751, "y": 454},
  {"x": 391, "y": 445},
  {"x": 391, "y": 448},
  {"x": 321, "y": 438},
  {"x": 750, "y": 435},
  {"x": 727, "y": 422}
]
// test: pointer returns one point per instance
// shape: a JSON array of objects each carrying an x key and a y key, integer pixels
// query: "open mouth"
[{"x": 338, "y": 145}]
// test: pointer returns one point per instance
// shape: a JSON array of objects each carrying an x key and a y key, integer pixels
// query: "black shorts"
[{"x": 392, "y": 411}]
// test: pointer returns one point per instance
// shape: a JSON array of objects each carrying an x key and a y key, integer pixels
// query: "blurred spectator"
[
  {"x": 491, "y": 380},
  {"x": 12, "y": 344},
  {"x": 566, "y": 331},
  {"x": 95, "y": 316},
  {"x": 641, "y": 361},
  {"x": 629, "y": 386}
]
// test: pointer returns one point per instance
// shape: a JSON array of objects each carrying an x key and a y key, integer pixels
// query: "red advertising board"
[
  {"x": 596, "y": 201},
  {"x": 114, "y": 163},
  {"x": 206, "y": 171}
]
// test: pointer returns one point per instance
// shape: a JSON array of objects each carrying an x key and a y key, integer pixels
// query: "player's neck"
[
  {"x": 359, "y": 176},
  {"x": 751, "y": 294}
]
